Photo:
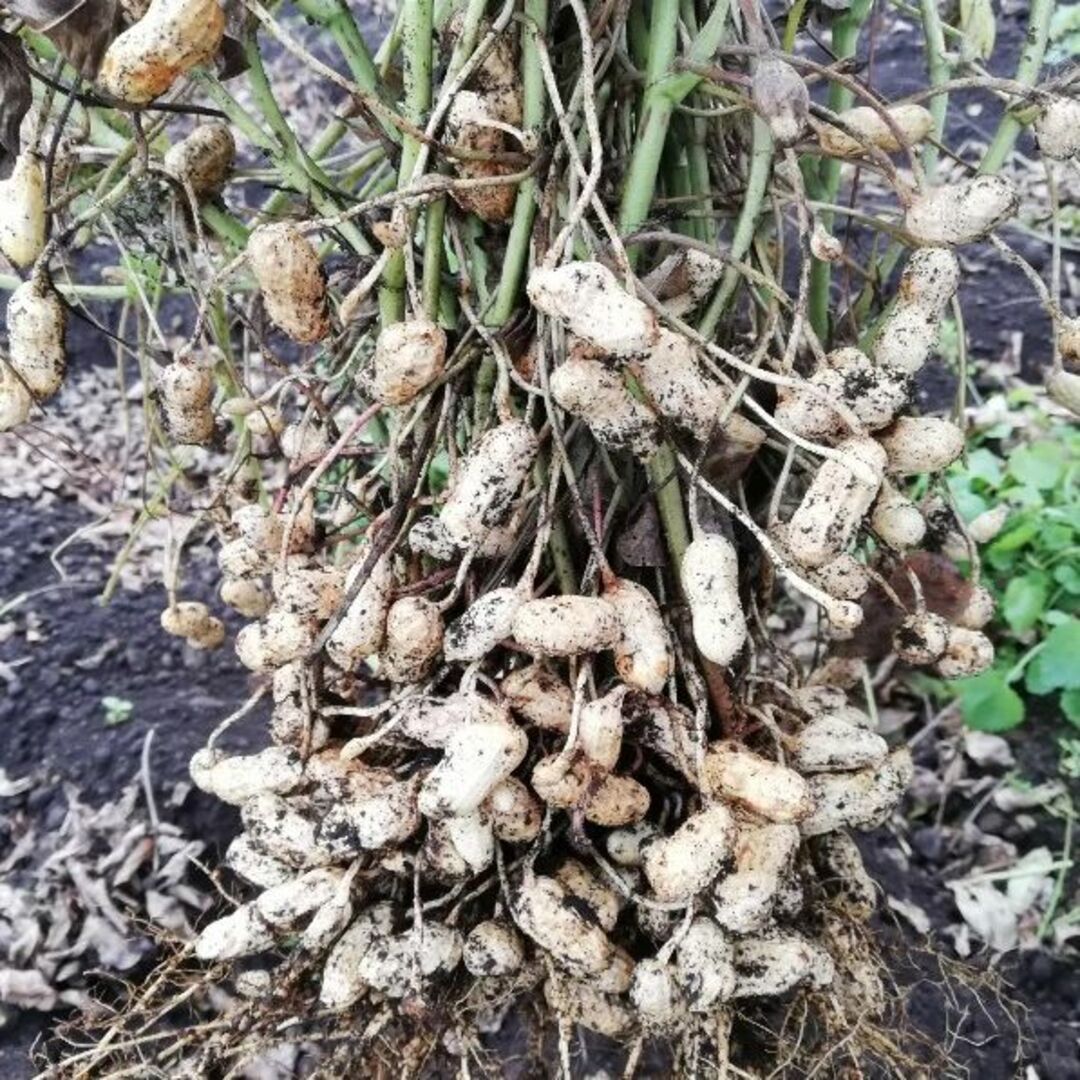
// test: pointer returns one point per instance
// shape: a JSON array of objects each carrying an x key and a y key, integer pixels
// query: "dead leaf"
[
  {"x": 1032, "y": 878},
  {"x": 988, "y": 913},
  {"x": 15, "y": 98},
  {"x": 81, "y": 29},
  {"x": 986, "y": 749},
  {"x": 26, "y": 989},
  {"x": 640, "y": 544},
  {"x": 914, "y": 914}
]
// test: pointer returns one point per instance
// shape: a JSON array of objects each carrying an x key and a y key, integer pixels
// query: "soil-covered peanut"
[
  {"x": 538, "y": 694},
  {"x": 170, "y": 39},
  {"x": 408, "y": 357},
  {"x": 679, "y": 866},
  {"x": 286, "y": 267},
  {"x": 22, "y": 224},
  {"x": 566, "y": 625},
  {"x": 590, "y": 390},
  {"x": 203, "y": 158},
  {"x": 763, "y": 855},
  {"x": 910, "y": 125},
  {"x": 643, "y": 653},
  {"x": 710, "y": 579},
  {"x": 764, "y": 787},
  {"x": 35, "y": 326},
  {"x": 963, "y": 212},
  {"x": 588, "y": 299},
  {"x": 921, "y": 444}
]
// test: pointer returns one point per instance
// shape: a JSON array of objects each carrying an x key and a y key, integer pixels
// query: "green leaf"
[
  {"x": 1056, "y": 537},
  {"x": 117, "y": 710},
  {"x": 983, "y": 464},
  {"x": 1068, "y": 577},
  {"x": 977, "y": 22},
  {"x": 988, "y": 703},
  {"x": 1070, "y": 706},
  {"x": 1025, "y": 601},
  {"x": 1057, "y": 664},
  {"x": 1040, "y": 465},
  {"x": 1022, "y": 532}
]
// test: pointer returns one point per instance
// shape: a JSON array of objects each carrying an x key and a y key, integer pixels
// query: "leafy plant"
[
  {"x": 1030, "y": 566},
  {"x": 117, "y": 710}
]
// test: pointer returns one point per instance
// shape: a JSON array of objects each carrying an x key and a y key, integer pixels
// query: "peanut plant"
[{"x": 560, "y": 377}]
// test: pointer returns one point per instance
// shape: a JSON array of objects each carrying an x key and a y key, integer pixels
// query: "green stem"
[
  {"x": 845, "y": 41},
  {"x": 938, "y": 65},
  {"x": 1027, "y": 71},
  {"x": 761, "y": 155},
  {"x": 534, "y": 105},
  {"x": 417, "y": 38}
]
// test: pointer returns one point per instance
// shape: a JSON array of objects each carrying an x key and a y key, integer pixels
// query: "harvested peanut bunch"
[{"x": 559, "y": 442}]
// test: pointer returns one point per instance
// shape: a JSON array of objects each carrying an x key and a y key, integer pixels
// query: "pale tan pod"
[
  {"x": 246, "y": 595},
  {"x": 624, "y": 845},
  {"x": 588, "y": 299},
  {"x": 408, "y": 357},
  {"x": 414, "y": 635},
  {"x": 921, "y": 444},
  {"x": 600, "y": 729},
  {"x": 832, "y": 702},
  {"x": 362, "y": 630},
  {"x": 835, "y": 503},
  {"x": 185, "y": 391},
  {"x": 331, "y": 918},
  {"x": 764, "y": 787},
  {"x": 470, "y": 126},
  {"x": 493, "y": 947},
  {"x": 967, "y": 652},
  {"x": 203, "y": 158},
  {"x": 963, "y": 212},
  {"x": 862, "y": 799},
  {"x": 209, "y": 636},
  {"x": 670, "y": 375},
  {"x": 593, "y": 392},
  {"x": 308, "y": 590},
  {"x": 643, "y": 654},
  {"x": 286, "y": 267},
  {"x": 983, "y": 528},
  {"x": 829, "y": 744},
  {"x": 705, "y": 965},
  {"x": 540, "y": 696},
  {"x": 578, "y": 1001},
  {"x": 1064, "y": 388},
  {"x": 907, "y": 339},
  {"x": 274, "y": 641},
  {"x": 241, "y": 933},
  {"x": 430, "y": 720},
  {"x": 282, "y": 828},
  {"x": 710, "y": 579},
  {"x": 617, "y": 801},
  {"x": 1057, "y": 129},
  {"x": 265, "y": 420},
  {"x": 921, "y": 638},
  {"x": 384, "y": 815},
  {"x": 184, "y": 618},
  {"x": 896, "y": 519},
  {"x": 601, "y": 898},
  {"x": 485, "y": 622},
  {"x": 472, "y": 836},
  {"x": 35, "y": 326},
  {"x": 744, "y": 899},
  {"x": 772, "y": 963},
  {"x": 282, "y": 906},
  {"x": 255, "y": 866},
  {"x": 442, "y": 855},
  {"x": 236, "y": 779},
  {"x": 655, "y": 994},
  {"x": 22, "y": 224},
  {"x": 429, "y": 537},
  {"x": 489, "y": 477},
  {"x": 679, "y": 866},
  {"x": 342, "y": 984},
  {"x": 170, "y": 39},
  {"x": 666, "y": 729},
  {"x": 978, "y": 610},
  {"x": 15, "y": 399},
  {"x": 543, "y": 913},
  {"x": 843, "y": 577},
  {"x": 479, "y": 755},
  {"x": 304, "y": 442},
  {"x": 930, "y": 279},
  {"x": 781, "y": 98},
  {"x": 913, "y": 124},
  {"x": 516, "y": 815},
  {"x": 566, "y": 626},
  {"x": 1068, "y": 330}
]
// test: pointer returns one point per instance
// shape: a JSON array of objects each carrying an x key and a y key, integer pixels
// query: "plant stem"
[
  {"x": 761, "y": 154},
  {"x": 939, "y": 73},
  {"x": 845, "y": 41},
  {"x": 1027, "y": 71},
  {"x": 534, "y": 105},
  {"x": 417, "y": 37}
]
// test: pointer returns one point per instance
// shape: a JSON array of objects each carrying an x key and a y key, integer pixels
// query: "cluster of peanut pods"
[{"x": 541, "y": 795}]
